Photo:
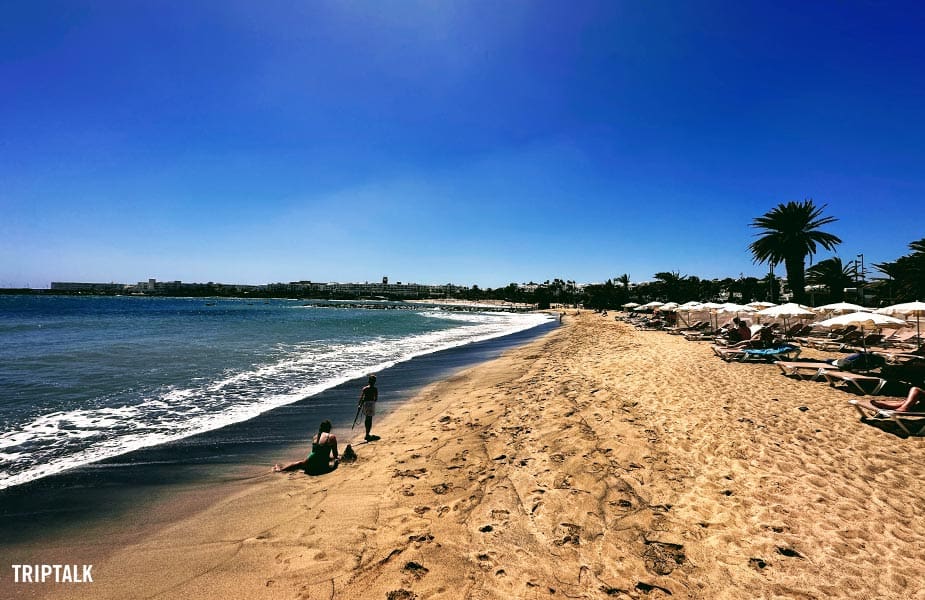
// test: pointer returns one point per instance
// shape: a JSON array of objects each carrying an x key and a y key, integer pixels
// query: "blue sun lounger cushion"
[{"x": 784, "y": 349}]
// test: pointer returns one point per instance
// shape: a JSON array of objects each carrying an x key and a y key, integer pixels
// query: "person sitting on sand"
[
  {"x": 324, "y": 447},
  {"x": 914, "y": 402}
]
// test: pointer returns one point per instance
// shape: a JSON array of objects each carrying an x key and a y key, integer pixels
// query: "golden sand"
[{"x": 596, "y": 462}]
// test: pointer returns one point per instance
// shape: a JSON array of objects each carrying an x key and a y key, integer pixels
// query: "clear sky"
[{"x": 434, "y": 142}]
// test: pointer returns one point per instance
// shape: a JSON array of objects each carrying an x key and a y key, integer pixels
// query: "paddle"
[{"x": 357, "y": 417}]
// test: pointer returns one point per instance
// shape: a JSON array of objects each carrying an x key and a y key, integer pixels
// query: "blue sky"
[{"x": 466, "y": 142}]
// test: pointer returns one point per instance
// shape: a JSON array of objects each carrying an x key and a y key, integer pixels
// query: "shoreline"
[
  {"x": 184, "y": 476},
  {"x": 595, "y": 461},
  {"x": 333, "y": 398}
]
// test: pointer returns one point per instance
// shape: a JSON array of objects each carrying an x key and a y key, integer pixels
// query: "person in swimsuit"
[
  {"x": 368, "y": 397},
  {"x": 914, "y": 402},
  {"x": 324, "y": 448}
]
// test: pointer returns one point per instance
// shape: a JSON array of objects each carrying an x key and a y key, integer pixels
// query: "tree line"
[{"x": 787, "y": 235}]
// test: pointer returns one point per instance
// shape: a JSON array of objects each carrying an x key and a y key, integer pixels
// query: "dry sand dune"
[{"x": 597, "y": 462}]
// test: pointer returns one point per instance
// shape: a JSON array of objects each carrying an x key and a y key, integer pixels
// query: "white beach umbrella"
[
  {"x": 668, "y": 307},
  {"x": 631, "y": 305},
  {"x": 687, "y": 308},
  {"x": 648, "y": 306},
  {"x": 692, "y": 305},
  {"x": 841, "y": 308},
  {"x": 711, "y": 305},
  {"x": 733, "y": 307},
  {"x": 653, "y": 304},
  {"x": 862, "y": 320},
  {"x": 907, "y": 309},
  {"x": 759, "y": 304},
  {"x": 791, "y": 310}
]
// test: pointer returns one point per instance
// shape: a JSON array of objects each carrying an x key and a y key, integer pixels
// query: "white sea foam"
[{"x": 61, "y": 440}]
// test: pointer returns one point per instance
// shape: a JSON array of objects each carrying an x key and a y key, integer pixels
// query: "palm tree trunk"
[{"x": 796, "y": 278}]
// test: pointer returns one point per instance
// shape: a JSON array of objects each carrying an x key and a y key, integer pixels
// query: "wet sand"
[{"x": 595, "y": 462}]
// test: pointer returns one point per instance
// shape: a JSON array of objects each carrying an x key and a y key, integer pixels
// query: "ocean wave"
[{"x": 61, "y": 440}]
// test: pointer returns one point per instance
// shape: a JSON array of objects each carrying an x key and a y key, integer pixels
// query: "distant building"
[
  {"x": 97, "y": 288},
  {"x": 298, "y": 288}
]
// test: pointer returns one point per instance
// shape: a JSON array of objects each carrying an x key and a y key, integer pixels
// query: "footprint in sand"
[
  {"x": 417, "y": 570},
  {"x": 572, "y": 535},
  {"x": 788, "y": 552},
  {"x": 413, "y": 473},
  {"x": 662, "y": 558},
  {"x": 500, "y": 514}
]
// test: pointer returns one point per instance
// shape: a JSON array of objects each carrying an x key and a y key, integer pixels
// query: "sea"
[{"x": 89, "y": 380}]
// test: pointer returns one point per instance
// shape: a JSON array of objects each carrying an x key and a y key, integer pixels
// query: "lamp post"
[
  {"x": 860, "y": 258},
  {"x": 771, "y": 282}
]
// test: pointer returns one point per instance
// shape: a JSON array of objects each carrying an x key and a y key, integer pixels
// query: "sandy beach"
[{"x": 595, "y": 462}]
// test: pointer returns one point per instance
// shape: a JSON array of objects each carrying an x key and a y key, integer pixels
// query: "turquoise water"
[{"x": 88, "y": 378}]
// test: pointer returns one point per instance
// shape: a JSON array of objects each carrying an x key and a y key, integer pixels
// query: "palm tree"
[
  {"x": 832, "y": 274},
  {"x": 624, "y": 280},
  {"x": 906, "y": 274},
  {"x": 669, "y": 285},
  {"x": 789, "y": 233}
]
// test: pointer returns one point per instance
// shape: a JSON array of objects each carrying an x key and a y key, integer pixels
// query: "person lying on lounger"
[
  {"x": 914, "y": 402},
  {"x": 764, "y": 338}
]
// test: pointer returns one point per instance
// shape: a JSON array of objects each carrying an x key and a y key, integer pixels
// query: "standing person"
[{"x": 368, "y": 398}]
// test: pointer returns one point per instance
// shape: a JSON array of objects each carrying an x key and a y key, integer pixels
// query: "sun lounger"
[
  {"x": 904, "y": 338},
  {"x": 694, "y": 327},
  {"x": 827, "y": 345},
  {"x": 699, "y": 336},
  {"x": 869, "y": 411},
  {"x": 838, "y": 344},
  {"x": 809, "y": 370},
  {"x": 756, "y": 354},
  {"x": 897, "y": 358},
  {"x": 854, "y": 381},
  {"x": 819, "y": 335},
  {"x": 871, "y": 339},
  {"x": 804, "y": 331}
]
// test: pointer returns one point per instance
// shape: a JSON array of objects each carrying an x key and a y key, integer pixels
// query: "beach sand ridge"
[{"x": 596, "y": 462}]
